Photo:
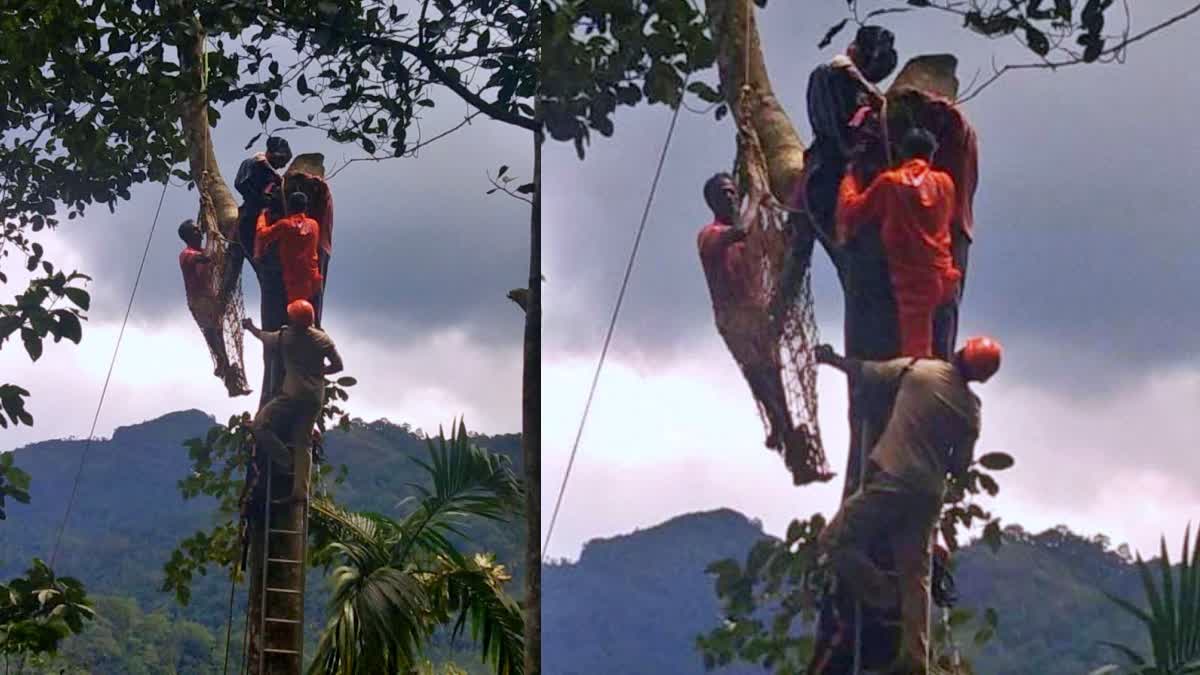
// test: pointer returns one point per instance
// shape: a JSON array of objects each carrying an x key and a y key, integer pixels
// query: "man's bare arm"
[
  {"x": 248, "y": 324},
  {"x": 825, "y": 354}
]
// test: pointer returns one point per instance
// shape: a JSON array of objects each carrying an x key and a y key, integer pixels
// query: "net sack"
[
  {"x": 779, "y": 330},
  {"x": 222, "y": 308}
]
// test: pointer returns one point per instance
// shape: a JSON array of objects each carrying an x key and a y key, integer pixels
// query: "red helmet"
[
  {"x": 300, "y": 313},
  {"x": 981, "y": 358}
]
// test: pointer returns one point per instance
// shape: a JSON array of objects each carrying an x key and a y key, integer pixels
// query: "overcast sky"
[
  {"x": 1084, "y": 267},
  {"x": 416, "y": 302}
]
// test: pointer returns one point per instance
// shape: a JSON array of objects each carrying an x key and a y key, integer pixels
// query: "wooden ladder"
[{"x": 285, "y": 549}]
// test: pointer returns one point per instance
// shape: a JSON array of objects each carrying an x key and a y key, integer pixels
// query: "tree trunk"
[
  {"x": 531, "y": 424},
  {"x": 194, "y": 119},
  {"x": 740, "y": 63},
  {"x": 211, "y": 186}
]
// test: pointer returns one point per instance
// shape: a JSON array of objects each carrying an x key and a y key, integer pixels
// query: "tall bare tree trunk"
[{"x": 531, "y": 425}]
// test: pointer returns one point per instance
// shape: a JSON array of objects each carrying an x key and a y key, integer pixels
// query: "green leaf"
[
  {"x": 282, "y": 113},
  {"x": 81, "y": 298},
  {"x": 996, "y": 461},
  {"x": 69, "y": 327},
  {"x": 831, "y": 33},
  {"x": 33, "y": 343}
]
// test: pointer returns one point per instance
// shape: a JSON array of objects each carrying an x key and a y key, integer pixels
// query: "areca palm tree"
[
  {"x": 1171, "y": 617},
  {"x": 397, "y": 581}
]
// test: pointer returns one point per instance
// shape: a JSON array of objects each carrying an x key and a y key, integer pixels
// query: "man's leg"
[
  {"x": 910, "y": 542},
  {"x": 274, "y": 314},
  {"x": 945, "y": 321},
  {"x": 863, "y": 518},
  {"x": 916, "y": 329},
  {"x": 318, "y": 301},
  {"x": 301, "y": 439},
  {"x": 274, "y": 416},
  {"x": 216, "y": 344},
  {"x": 766, "y": 385}
]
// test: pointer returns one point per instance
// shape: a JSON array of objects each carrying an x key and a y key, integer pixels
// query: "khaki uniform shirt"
[
  {"x": 304, "y": 354},
  {"x": 934, "y": 414}
]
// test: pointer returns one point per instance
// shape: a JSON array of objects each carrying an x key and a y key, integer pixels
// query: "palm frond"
[
  {"x": 467, "y": 483},
  {"x": 378, "y": 623},
  {"x": 473, "y": 595},
  {"x": 1172, "y": 613}
]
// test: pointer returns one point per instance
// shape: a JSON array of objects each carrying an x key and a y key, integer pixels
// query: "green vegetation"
[
  {"x": 635, "y": 604},
  {"x": 397, "y": 581},
  {"x": 129, "y": 518}
]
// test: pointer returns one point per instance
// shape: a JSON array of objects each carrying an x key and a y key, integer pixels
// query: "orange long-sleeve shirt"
[
  {"x": 298, "y": 237},
  {"x": 913, "y": 206}
]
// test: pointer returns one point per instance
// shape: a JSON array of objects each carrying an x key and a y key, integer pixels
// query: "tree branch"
[{"x": 1113, "y": 51}]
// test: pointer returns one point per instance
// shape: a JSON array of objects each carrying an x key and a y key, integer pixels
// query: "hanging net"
[
  {"x": 221, "y": 310},
  {"x": 777, "y": 331}
]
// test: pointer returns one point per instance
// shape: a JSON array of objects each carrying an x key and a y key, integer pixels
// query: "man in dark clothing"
[
  {"x": 930, "y": 432},
  {"x": 836, "y": 91},
  {"x": 259, "y": 182},
  {"x": 257, "y": 178},
  {"x": 294, "y": 411}
]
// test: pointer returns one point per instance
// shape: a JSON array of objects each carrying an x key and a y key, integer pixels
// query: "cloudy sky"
[
  {"x": 422, "y": 262},
  {"x": 1083, "y": 267}
]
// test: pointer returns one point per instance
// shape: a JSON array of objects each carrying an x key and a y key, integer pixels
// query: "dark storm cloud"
[
  {"x": 418, "y": 245},
  {"x": 1087, "y": 206}
]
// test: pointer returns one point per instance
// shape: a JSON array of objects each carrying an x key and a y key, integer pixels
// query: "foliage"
[
  {"x": 94, "y": 103},
  {"x": 39, "y": 610},
  {"x": 221, "y": 463},
  {"x": 128, "y": 640},
  {"x": 600, "y": 56},
  {"x": 634, "y": 603},
  {"x": 396, "y": 581},
  {"x": 1171, "y": 617},
  {"x": 611, "y": 54},
  {"x": 781, "y": 583},
  {"x": 13, "y": 483},
  {"x": 127, "y": 523}
]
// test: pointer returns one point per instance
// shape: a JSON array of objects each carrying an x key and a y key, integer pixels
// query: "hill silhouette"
[
  {"x": 634, "y": 604},
  {"x": 128, "y": 516}
]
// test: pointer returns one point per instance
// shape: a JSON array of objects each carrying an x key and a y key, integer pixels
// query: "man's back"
[
  {"x": 934, "y": 413},
  {"x": 304, "y": 352}
]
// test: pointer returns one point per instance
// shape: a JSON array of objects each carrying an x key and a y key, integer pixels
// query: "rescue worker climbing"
[
  {"x": 836, "y": 91},
  {"x": 913, "y": 205},
  {"x": 931, "y": 431},
  {"x": 297, "y": 237},
  {"x": 740, "y": 307},
  {"x": 288, "y": 419},
  {"x": 206, "y": 306}
]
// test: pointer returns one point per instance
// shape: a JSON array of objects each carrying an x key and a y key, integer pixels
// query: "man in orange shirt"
[
  {"x": 740, "y": 307},
  {"x": 205, "y": 304},
  {"x": 913, "y": 204},
  {"x": 297, "y": 236}
]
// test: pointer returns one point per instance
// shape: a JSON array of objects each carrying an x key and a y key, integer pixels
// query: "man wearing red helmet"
[
  {"x": 294, "y": 411},
  {"x": 930, "y": 432}
]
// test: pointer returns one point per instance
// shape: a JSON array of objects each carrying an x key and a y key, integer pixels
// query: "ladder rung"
[
  {"x": 284, "y": 561},
  {"x": 286, "y": 532},
  {"x": 281, "y": 651},
  {"x": 282, "y": 590},
  {"x": 275, "y": 620}
]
